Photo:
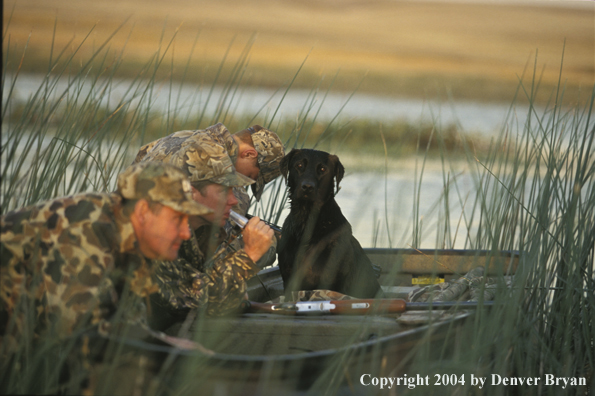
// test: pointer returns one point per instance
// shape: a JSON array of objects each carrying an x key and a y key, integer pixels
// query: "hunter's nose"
[{"x": 307, "y": 186}]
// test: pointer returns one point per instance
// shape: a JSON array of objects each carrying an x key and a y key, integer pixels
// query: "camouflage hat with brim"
[
  {"x": 201, "y": 155},
  {"x": 270, "y": 153},
  {"x": 162, "y": 183}
]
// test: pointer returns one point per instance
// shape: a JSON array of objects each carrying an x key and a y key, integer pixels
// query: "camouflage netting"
[{"x": 466, "y": 288}]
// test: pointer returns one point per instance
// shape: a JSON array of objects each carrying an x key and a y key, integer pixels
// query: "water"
[
  {"x": 370, "y": 199},
  {"x": 380, "y": 206},
  {"x": 485, "y": 118}
]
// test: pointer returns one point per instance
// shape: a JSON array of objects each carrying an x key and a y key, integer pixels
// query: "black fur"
[{"x": 317, "y": 249}]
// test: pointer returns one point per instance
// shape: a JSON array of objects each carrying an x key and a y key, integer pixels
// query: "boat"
[
  {"x": 402, "y": 270},
  {"x": 268, "y": 353}
]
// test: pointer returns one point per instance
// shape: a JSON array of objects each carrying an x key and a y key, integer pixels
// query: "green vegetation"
[{"x": 534, "y": 192}]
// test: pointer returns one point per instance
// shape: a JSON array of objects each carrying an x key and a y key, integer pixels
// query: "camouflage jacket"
[
  {"x": 198, "y": 279},
  {"x": 69, "y": 258}
]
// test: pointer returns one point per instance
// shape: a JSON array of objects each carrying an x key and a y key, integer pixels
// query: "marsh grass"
[
  {"x": 534, "y": 192},
  {"x": 536, "y": 195}
]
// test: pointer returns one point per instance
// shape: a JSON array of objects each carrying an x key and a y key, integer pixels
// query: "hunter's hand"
[{"x": 258, "y": 238}]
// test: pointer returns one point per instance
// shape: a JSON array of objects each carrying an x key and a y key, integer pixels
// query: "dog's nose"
[{"x": 307, "y": 186}]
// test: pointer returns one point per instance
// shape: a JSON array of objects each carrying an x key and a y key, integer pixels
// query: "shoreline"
[{"x": 397, "y": 49}]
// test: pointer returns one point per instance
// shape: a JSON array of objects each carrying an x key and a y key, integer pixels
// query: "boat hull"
[{"x": 279, "y": 354}]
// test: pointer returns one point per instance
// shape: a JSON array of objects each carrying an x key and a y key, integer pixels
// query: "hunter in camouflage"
[
  {"x": 69, "y": 257},
  {"x": 268, "y": 150},
  {"x": 212, "y": 266}
]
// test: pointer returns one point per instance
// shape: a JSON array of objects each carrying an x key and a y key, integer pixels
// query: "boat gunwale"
[
  {"x": 444, "y": 252},
  {"x": 297, "y": 356}
]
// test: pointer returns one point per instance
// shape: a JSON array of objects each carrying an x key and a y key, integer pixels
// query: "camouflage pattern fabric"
[
  {"x": 142, "y": 152},
  {"x": 426, "y": 293},
  {"x": 161, "y": 183},
  {"x": 313, "y": 295},
  {"x": 197, "y": 279},
  {"x": 224, "y": 137},
  {"x": 71, "y": 267},
  {"x": 217, "y": 131},
  {"x": 488, "y": 286},
  {"x": 187, "y": 283},
  {"x": 270, "y": 153},
  {"x": 201, "y": 155},
  {"x": 267, "y": 144},
  {"x": 218, "y": 138},
  {"x": 220, "y": 135},
  {"x": 466, "y": 288},
  {"x": 62, "y": 256}
]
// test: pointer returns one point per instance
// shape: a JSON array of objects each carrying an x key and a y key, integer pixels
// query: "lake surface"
[
  {"x": 381, "y": 206},
  {"x": 486, "y": 118}
]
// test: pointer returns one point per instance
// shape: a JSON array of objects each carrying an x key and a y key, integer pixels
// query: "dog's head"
[{"x": 311, "y": 174}]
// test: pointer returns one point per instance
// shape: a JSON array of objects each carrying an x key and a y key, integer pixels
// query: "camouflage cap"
[
  {"x": 266, "y": 143},
  {"x": 162, "y": 183},
  {"x": 270, "y": 153},
  {"x": 200, "y": 154}
]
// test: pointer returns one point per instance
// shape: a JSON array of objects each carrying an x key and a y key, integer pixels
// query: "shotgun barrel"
[{"x": 354, "y": 307}]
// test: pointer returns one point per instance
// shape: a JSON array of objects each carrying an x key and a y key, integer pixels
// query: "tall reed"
[
  {"x": 78, "y": 129},
  {"x": 534, "y": 193}
]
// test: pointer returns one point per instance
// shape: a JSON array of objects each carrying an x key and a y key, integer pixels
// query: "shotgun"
[
  {"x": 354, "y": 307},
  {"x": 341, "y": 307}
]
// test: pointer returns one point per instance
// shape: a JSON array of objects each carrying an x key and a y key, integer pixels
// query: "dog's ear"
[
  {"x": 339, "y": 170},
  {"x": 284, "y": 164}
]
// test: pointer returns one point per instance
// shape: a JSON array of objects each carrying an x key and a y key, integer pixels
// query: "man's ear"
[
  {"x": 140, "y": 210},
  {"x": 249, "y": 153},
  {"x": 196, "y": 194}
]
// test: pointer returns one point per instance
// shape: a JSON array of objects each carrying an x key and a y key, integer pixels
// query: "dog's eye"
[
  {"x": 322, "y": 169},
  {"x": 299, "y": 165}
]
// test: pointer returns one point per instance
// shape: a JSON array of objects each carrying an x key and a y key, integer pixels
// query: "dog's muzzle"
[{"x": 306, "y": 190}]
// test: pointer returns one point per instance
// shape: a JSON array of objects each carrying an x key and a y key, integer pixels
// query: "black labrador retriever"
[{"x": 317, "y": 249}]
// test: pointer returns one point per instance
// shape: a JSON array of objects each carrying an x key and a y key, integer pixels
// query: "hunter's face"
[
  {"x": 220, "y": 199},
  {"x": 163, "y": 231}
]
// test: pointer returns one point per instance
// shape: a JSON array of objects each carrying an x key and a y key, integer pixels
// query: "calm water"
[
  {"x": 369, "y": 198},
  {"x": 263, "y": 103},
  {"x": 379, "y": 205}
]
